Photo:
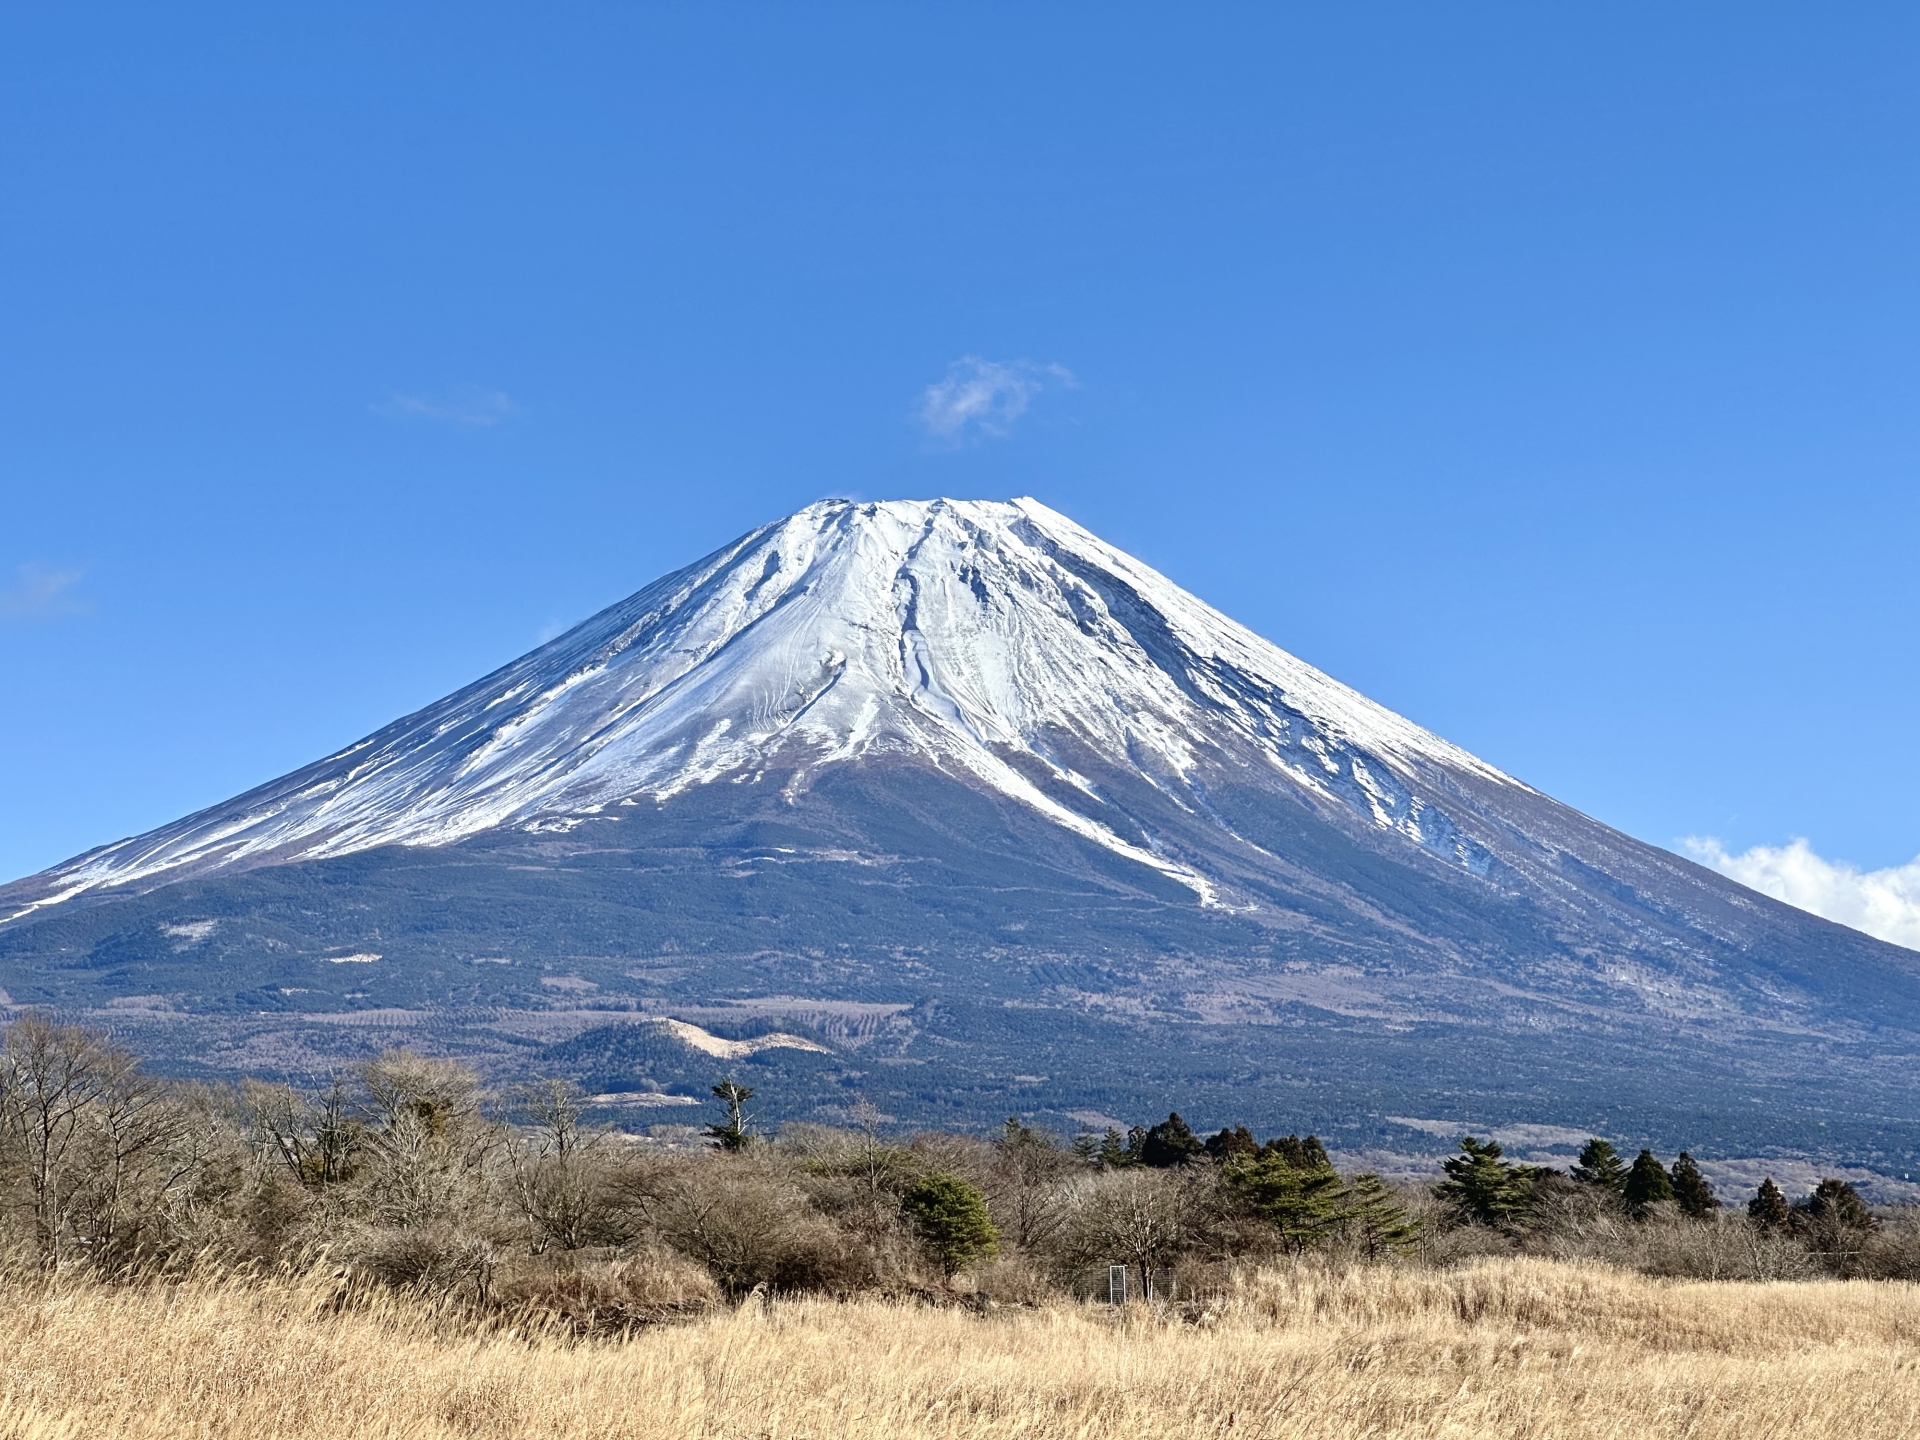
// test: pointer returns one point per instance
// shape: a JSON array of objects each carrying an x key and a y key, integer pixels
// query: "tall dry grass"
[{"x": 1509, "y": 1347}]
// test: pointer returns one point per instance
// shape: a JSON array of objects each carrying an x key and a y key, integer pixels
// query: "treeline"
[
  {"x": 1675, "y": 1222},
  {"x": 1832, "y": 1229},
  {"x": 408, "y": 1173}
]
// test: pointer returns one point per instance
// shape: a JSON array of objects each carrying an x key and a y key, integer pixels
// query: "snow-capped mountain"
[
  {"x": 987, "y": 818},
  {"x": 993, "y": 640}
]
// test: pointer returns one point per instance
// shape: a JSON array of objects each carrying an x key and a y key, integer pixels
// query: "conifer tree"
[
  {"x": 1835, "y": 1205},
  {"x": 1170, "y": 1143},
  {"x": 1113, "y": 1152},
  {"x": 1307, "y": 1154},
  {"x": 1302, "y": 1202},
  {"x": 731, "y": 1133},
  {"x": 1600, "y": 1166},
  {"x": 951, "y": 1216},
  {"x": 1086, "y": 1147},
  {"x": 1647, "y": 1185},
  {"x": 1373, "y": 1220},
  {"x": 1691, "y": 1192},
  {"x": 1768, "y": 1210},
  {"x": 1481, "y": 1186},
  {"x": 1834, "y": 1222},
  {"x": 1229, "y": 1143}
]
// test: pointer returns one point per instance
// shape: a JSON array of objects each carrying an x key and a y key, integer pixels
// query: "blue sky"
[{"x": 1551, "y": 377}]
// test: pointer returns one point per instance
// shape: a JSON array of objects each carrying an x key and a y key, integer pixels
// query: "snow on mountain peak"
[{"x": 984, "y": 637}]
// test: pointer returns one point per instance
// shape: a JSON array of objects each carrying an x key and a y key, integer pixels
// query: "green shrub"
[{"x": 952, "y": 1220}]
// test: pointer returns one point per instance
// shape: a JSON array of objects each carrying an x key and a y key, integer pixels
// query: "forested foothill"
[{"x": 409, "y": 1173}]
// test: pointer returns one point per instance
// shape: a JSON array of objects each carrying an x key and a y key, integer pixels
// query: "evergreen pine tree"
[
  {"x": 1302, "y": 1202},
  {"x": 1647, "y": 1184},
  {"x": 1768, "y": 1210},
  {"x": 1086, "y": 1147},
  {"x": 731, "y": 1133},
  {"x": 1170, "y": 1143},
  {"x": 1600, "y": 1166},
  {"x": 1113, "y": 1152},
  {"x": 1373, "y": 1220},
  {"x": 1691, "y": 1192},
  {"x": 1307, "y": 1154},
  {"x": 1229, "y": 1143},
  {"x": 951, "y": 1216},
  {"x": 1833, "y": 1206},
  {"x": 1481, "y": 1186},
  {"x": 1834, "y": 1222}
]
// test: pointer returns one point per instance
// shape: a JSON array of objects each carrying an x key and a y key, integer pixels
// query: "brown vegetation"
[
  {"x": 1504, "y": 1347},
  {"x": 399, "y": 1254}
]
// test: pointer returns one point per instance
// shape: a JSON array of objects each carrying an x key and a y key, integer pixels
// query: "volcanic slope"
[{"x": 951, "y": 806}]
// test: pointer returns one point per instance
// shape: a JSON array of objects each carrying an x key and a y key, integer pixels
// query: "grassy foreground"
[{"x": 1511, "y": 1347}]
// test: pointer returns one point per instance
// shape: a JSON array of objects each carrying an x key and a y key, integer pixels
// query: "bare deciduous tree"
[
  {"x": 1143, "y": 1219},
  {"x": 563, "y": 1178},
  {"x": 50, "y": 1078},
  {"x": 428, "y": 1153},
  {"x": 315, "y": 1137},
  {"x": 1026, "y": 1185}
]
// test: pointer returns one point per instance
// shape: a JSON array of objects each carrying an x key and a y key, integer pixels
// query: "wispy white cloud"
[
  {"x": 985, "y": 397},
  {"x": 42, "y": 592},
  {"x": 1883, "y": 903},
  {"x": 472, "y": 405}
]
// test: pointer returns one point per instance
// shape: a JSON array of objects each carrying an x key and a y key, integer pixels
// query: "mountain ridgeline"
[{"x": 950, "y": 807}]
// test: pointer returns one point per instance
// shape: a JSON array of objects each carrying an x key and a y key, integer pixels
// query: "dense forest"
[{"x": 410, "y": 1173}]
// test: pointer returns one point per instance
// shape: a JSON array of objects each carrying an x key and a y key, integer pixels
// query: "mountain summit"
[
  {"x": 996, "y": 641},
  {"x": 952, "y": 805}
]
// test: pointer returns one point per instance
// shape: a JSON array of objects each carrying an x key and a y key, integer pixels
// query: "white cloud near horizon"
[
  {"x": 41, "y": 592},
  {"x": 472, "y": 405},
  {"x": 985, "y": 397},
  {"x": 1883, "y": 903}
]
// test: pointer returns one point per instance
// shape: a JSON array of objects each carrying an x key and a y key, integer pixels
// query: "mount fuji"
[{"x": 952, "y": 806}]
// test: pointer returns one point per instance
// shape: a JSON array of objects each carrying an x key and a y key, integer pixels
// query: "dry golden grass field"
[{"x": 1506, "y": 1348}]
